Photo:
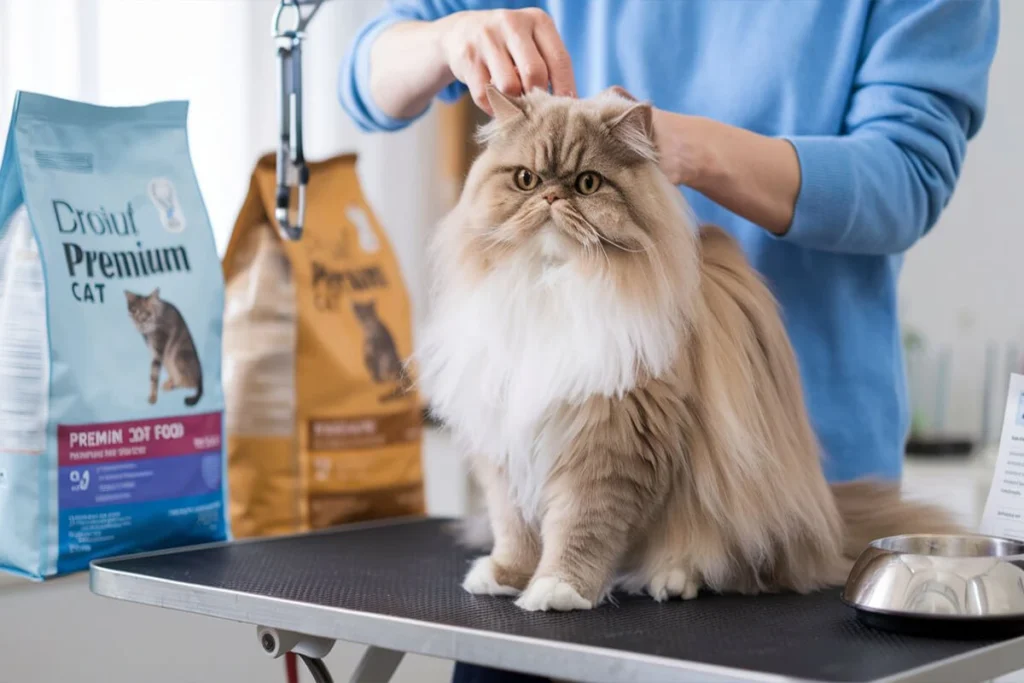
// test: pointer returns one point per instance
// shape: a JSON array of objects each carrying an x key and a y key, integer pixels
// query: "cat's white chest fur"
[{"x": 499, "y": 357}]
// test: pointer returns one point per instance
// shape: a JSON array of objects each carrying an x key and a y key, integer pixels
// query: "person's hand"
[
  {"x": 515, "y": 50},
  {"x": 755, "y": 176},
  {"x": 683, "y": 152}
]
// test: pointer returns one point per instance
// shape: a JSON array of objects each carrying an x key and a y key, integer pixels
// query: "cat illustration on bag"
[
  {"x": 379, "y": 351},
  {"x": 167, "y": 337}
]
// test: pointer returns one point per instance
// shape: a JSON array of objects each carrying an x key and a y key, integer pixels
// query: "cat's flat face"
[
  {"x": 566, "y": 178},
  {"x": 143, "y": 309}
]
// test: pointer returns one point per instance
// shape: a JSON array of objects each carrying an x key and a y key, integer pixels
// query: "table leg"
[
  {"x": 317, "y": 669},
  {"x": 377, "y": 665}
]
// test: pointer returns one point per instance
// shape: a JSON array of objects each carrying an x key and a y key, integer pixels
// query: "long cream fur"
[{"x": 622, "y": 382}]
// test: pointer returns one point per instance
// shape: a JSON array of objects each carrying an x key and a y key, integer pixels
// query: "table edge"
[
  {"x": 519, "y": 653},
  {"x": 529, "y": 655}
]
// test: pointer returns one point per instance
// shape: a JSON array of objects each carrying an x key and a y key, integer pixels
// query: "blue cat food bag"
[{"x": 111, "y": 304}]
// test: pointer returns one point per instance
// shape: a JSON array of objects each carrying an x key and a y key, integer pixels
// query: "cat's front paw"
[
  {"x": 673, "y": 583},
  {"x": 550, "y": 593},
  {"x": 480, "y": 580},
  {"x": 152, "y": 398}
]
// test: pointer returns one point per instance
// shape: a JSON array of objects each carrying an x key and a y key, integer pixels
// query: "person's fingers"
[
  {"x": 533, "y": 72},
  {"x": 477, "y": 80},
  {"x": 557, "y": 59},
  {"x": 499, "y": 63}
]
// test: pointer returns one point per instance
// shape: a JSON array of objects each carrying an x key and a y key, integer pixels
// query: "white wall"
[{"x": 961, "y": 282}]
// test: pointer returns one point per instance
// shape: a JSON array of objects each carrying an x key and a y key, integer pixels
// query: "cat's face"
[
  {"x": 143, "y": 309},
  {"x": 566, "y": 180},
  {"x": 365, "y": 312}
]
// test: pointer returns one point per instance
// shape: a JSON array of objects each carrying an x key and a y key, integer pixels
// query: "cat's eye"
[
  {"x": 526, "y": 179},
  {"x": 588, "y": 182}
]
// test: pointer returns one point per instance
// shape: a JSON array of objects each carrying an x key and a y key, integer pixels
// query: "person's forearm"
[
  {"x": 754, "y": 176},
  {"x": 408, "y": 68}
]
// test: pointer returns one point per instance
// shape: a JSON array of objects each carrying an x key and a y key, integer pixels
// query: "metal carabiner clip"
[{"x": 291, "y": 161}]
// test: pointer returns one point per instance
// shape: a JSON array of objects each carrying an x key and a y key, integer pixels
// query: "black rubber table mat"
[{"x": 413, "y": 570}]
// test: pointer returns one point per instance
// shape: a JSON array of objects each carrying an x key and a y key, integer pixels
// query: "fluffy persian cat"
[{"x": 622, "y": 381}]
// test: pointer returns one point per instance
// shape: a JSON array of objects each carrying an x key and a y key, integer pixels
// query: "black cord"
[{"x": 317, "y": 669}]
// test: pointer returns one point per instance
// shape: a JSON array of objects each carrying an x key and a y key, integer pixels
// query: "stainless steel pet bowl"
[{"x": 940, "y": 585}]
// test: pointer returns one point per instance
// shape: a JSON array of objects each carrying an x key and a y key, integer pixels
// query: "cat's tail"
[
  {"x": 194, "y": 399},
  {"x": 873, "y": 509}
]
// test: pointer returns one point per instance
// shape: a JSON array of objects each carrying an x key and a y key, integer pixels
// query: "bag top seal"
[{"x": 39, "y": 107}]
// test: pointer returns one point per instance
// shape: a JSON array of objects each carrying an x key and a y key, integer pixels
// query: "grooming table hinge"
[
  {"x": 277, "y": 642},
  {"x": 377, "y": 665}
]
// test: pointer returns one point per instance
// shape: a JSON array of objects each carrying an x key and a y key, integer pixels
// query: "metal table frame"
[{"x": 311, "y": 630}]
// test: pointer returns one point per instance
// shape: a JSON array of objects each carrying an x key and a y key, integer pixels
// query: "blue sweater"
[{"x": 878, "y": 98}]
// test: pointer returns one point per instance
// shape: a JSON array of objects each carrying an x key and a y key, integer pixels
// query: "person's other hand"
[
  {"x": 684, "y": 153},
  {"x": 515, "y": 50}
]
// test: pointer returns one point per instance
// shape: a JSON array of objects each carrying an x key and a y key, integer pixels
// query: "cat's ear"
[
  {"x": 634, "y": 127},
  {"x": 130, "y": 296},
  {"x": 505, "y": 108},
  {"x": 155, "y": 295}
]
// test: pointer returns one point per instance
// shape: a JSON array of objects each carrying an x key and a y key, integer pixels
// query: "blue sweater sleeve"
[
  {"x": 918, "y": 96},
  {"x": 354, "y": 78}
]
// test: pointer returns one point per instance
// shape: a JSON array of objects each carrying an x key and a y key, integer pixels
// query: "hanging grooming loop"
[{"x": 291, "y": 162}]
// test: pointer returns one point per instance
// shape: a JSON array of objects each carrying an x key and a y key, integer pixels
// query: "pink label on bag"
[{"x": 138, "y": 439}]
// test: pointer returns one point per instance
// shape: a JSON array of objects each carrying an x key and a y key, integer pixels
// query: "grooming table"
[{"x": 395, "y": 587}]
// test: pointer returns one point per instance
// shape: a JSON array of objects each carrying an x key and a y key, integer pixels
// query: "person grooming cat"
[
  {"x": 623, "y": 382},
  {"x": 166, "y": 334},
  {"x": 825, "y": 138}
]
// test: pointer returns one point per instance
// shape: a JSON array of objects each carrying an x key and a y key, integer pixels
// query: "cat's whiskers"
[
  {"x": 495, "y": 240},
  {"x": 590, "y": 249},
  {"x": 622, "y": 247},
  {"x": 608, "y": 240},
  {"x": 595, "y": 233}
]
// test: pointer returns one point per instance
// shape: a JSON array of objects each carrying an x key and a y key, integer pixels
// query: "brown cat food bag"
[{"x": 323, "y": 427}]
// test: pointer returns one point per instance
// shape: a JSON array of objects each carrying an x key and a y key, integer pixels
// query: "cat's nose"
[{"x": 551, "y": 197}]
